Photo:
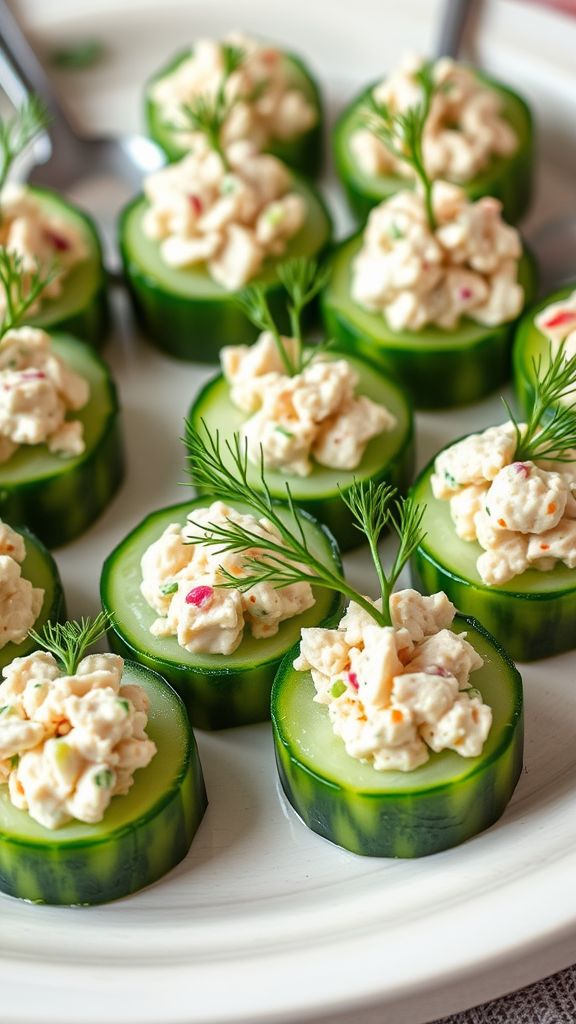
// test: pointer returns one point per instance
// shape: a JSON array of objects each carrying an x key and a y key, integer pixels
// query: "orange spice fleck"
[
  {"x": 397, "y": 716},
  {"x": 544, "y": 547},
  {"x": 502, "y": 522},
  {"x": 551, "y": 508}
]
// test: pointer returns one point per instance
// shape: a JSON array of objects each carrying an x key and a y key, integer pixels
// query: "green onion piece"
[{"x": 337, "y": 688}]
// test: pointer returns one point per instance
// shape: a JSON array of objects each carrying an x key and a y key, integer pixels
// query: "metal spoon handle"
[
  {"x": 32, "y": 78},
  {"x": 452, "y": 27}
]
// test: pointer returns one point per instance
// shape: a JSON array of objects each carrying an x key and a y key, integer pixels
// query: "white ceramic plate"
[{"x": 264, "y": 921}]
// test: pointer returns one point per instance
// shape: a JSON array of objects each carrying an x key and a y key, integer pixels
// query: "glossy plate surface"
[{"x": 263, "y": 921}]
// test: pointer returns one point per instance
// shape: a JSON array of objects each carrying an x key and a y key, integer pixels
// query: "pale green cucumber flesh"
[
  {"x": 41, "y": 570},
  {"x": 81, "y": 307},
  {"x": 399, "y": 814},
  {"x": 507, "y": 178},
  {"x": 531, "y": 346},
  {"x": 532, "y": 615},
  {"x": 58, "y": 497},
  {"x": 219, "y": 691},
  {"x": 439, "y": 368},
  {"x": 388, "y": 456},
  {"x": 303, "y": 152},
  {"x": 142, "y": 835}
]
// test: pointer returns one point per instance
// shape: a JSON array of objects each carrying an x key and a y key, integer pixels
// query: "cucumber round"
[
  {"x": 532, "y": 615},
  {"x": 81, "y": 308},
  {"x": 390, "y": 456},
  {"x": 184, "y": 311},
  {"x": 439, "y": 368},
  {"x": 303, "y": 153},
  {"x": 219, "y": 691},
  {"x": 142, "y": 836},
  {"x": 507, "y": 178},
  {"x": 40, "y": 568},
  {"x": 398, "y": 814},
  {"x": 57, "y": 497},
  {"x": 530, "y": 345}
]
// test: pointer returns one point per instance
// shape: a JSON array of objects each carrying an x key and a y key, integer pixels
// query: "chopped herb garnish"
[
  {"x": 124, "y": 703},
  {"x": 338, "y": 688},
  {"x": 282, "y": 430},
  {"x": 69, "y": 640},
  {"x": 395, "y": 232},
  {"x": 168, "y": 588},
  {"x": 207, "y": 114},
  {"x": 104, "y": 779},
  {"x": 14, "y": 761},
  {"x": 20, "y": 289}
]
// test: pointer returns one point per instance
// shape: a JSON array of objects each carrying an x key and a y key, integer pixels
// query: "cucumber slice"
[
  {"x": 533, "y": 614},
  {"x": 218, "y": 691},
  {"x": 58, "y": 498},
  {"x": 390, "y": 456},
  {"x": 303, "y": 153},
  {"x": 398, "y": 814},
  {"x": 185, "y": 312},
  {"x": 507, "y": 178},
  {"x": 81, "y": 308},
  {"x": 40, "y": 568},
  {"x": 142, "y": 836},
  {"x": 438, "y": 368},
  {"x": 529, "y": 345}
]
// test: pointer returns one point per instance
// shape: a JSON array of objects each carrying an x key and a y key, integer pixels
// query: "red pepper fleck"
[
  {"x": 551, "y": 508},
  {"x": 544, "y": 547},
  {"x": 270, "y": 56},
  {"x": 502, "y": 522},
  {"x": 437, "y": 670},
  {"x": 465, "y": 293},
  {"x": 353, "y": 680},
  {"x": 32, "y": 375},
  {"x": 199, "y": 596},
  {"x": 521, "y": 468},
  {"x": 559, "y": 319},
  {"x": 57, "y": 241},
  {"x": 196, "y": 204}
]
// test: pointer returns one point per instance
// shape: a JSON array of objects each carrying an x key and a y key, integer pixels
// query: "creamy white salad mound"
[
  {"x": 523, "y": 514},
  {"x": 395, "y": 693},
  {"x": 312, "y": 416},
  {"x": 557, "y": 322},
  {"x": 20, "y": 602},
  {"x": 231, "y": 221},
  {"x": 467, "y": 266},
  {"x": 40, "y": 238},
  {"x": 267, "y": 106},
  {"x": 37, "y": 393},
  {"x": 464, "y": 131},
  {"x": 182, "y": 581},
  {"x": 68, "y": 744}
]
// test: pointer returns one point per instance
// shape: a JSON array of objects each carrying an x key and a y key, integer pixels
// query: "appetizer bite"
[
  {"x": 101, "y": 788},
  {"x": 30, "y": 591},
  {"x": 433, "y": 285},
  {"x": 479, "y": 135},
  {"x": 543, "y": 330},
  {"x": 179, "y": 607},
  {"x": 220, "y": 218},
  {"x": 61, "y": 456},
  {"x": 382, "y": 745},
  {"x": 53, "y": 239},
  {"x": 501, "y": 521},
  {"x": 319, "y": 417},
  {"x": 277, "y": 109}
]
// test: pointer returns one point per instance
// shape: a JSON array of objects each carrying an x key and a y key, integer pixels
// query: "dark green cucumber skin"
[
  {"x": 328, "y": 509},
  {"x": 438, "y": 378},
  {"x": 53, "y": 610},
  {"x": 529, "y": 337},
  {"x": 196, "y": 329},
  {"x": 92, "y": 323},
  {"x": 530, "y": 625},
  {"x": 214, "y": 699},
  {"x": 508, "y": 179},
  {"x": 60, "y": 507},
  {"x": 406, "y": 824},
  {"x": 86, "y": 872},
  {"x": 303, "y": 153}
]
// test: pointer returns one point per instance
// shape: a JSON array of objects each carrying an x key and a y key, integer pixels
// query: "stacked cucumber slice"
[
  {"x": 58, "y": 498},
  {"x": 398, "y": 814},
  {"x": 219, "y": 691},
  {"x": 389, "y": 456},
  {"x": 142, "y": 835},
  {"x": 303, "y": 152},
  {"x": 506, "y": 178}
]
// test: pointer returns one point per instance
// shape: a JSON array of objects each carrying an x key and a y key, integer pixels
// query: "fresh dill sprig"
[
  {"x": 17, "y": 132},
  {"x": 69, "y": 640},
  {"x": 21, "y": 288},
  {"x": 290, "y": 559},
  {"x": 208, "y": 113},
  {"x": 302, "y": 279},
  {"x": 554, "y": 437},
  {"x": 402, "y": 133}
]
